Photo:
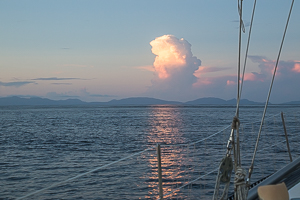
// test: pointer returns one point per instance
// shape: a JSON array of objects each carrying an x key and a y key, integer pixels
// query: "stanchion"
[{"x": 159, "y": 172}]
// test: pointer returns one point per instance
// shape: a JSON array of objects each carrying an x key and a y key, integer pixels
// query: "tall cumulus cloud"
[{"x": 174, "y": 66}]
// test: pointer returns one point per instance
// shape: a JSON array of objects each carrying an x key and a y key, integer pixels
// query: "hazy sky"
[{"x": 168, "y": 49}]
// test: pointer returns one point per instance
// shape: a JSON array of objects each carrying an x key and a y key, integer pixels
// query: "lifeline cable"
[
  {"x": 83, "y": 174},
  {"x": 200, "y": 177}
]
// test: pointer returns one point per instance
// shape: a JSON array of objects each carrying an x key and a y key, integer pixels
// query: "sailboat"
[{"x": 283, "y": 184}]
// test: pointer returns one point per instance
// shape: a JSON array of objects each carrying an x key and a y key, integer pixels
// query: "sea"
[{"x": 111, "y": 152}]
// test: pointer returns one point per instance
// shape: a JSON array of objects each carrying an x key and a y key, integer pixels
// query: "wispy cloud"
[
  {"x": 82, "y": 94},
  {"x": 65, "y": 95},
  {"x": 61, "y": 83},
  {"x": 204, "y": 69},
  {"x": 15, "y": 83},
  {"x": 101, "y": 95},
  {"x": 55, "y": 79},
  {"x": 86, "y": 93},
  {"x": 246, "y": 23},
  {"x": 76, "y": 65},
  {"x": 147, "y": 68}
]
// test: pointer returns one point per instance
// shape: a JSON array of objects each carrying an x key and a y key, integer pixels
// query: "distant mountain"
[
  {"x": 5, "y": 101},
  {"x": 218, "y": 101},
  {"x": 37, "y": 101},
  {"x": 141, "y": 101},
  {"x": 207, "y": 100},
  {"x": 292, "y": 103}
]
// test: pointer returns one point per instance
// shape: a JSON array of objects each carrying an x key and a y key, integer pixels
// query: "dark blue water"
[{"x": 43, "y": 145}]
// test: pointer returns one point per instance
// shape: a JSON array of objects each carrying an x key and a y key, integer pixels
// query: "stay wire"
[
  {"x": 269, "y": 94},
  {"x": 246, "y": 54},
  {"x": 244, "y": 68},
  {"x": 240, "y": 7}
]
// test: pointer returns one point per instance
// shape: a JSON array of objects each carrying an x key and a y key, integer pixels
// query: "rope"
[
  {"x": 240, "y": 175},
  {"x": 224, "y": 175},
  {"x": 269, "y": 94},
  {"x": 240, "y": 185},
  {"x": 83, "y": 174}
]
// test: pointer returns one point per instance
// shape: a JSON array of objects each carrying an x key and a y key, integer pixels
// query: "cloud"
[
  {"x": 15, "y": 83},
  {"x": 82, "y": 94},
  {"x": 229, "y": 82},
  {"x": 286, "y": 82},
  {"x": 256, "y": 85},
  {"x": 101, "y": 95},
  {"x": 174, "y": 66},
  {"x": 55, "y": 79},
  {"x": 147, "y": 68},
  {"x": 173, "y": 55},
  {"x": 58, "y": 96},
  {"x": 178, "y": 75},
  {"x": 201, "y": 80},
  {"x": 85, "y": 92},
  {"x": 75, "y": 65},
  {"x": 286, "y": 69},
  {"x": 61, "y": 83},
  {"x": 203, "y": 69}
]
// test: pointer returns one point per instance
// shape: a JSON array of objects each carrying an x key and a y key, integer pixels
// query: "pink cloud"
[
  {"x": 249, "y": 77},
  {"x": 173, "y": 55},
  {"x": 202, "y": 81},
  {"x": 296, "y": 67},
  {"x": 147, "y": 68},
  {"x": 285, "y": 68},
  {"x": 229, "y": 82}
]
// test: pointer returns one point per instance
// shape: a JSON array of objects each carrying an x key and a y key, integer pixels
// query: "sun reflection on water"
[{"x": 165, "y": 129}]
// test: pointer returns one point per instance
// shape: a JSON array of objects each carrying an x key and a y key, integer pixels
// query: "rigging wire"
[
  {"x": 246, "y": 54},
  {"x": 269, "y": 93},
  {"x": 240, "y": 7},
  {"x": 242, "y": 28},
  {"x": 244, "y": 67}
]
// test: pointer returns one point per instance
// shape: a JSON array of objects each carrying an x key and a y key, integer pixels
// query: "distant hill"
[
  {"x": 218, "y": 101},
  {"x": 292, "y": 103},
  {"x": 6, "y": 101},
  {"x": 207, "y": 100},
  {"x": 141, "y": 101}
]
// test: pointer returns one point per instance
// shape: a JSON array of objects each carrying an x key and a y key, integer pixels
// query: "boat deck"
[
  {"x": 294, "y": 193},
  {"x": 290, "y": 175}
]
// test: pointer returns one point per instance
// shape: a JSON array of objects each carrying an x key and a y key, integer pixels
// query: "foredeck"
[{"x": 294, "y": 193}]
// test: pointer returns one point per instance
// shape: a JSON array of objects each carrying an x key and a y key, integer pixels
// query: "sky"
[{"x": 177, "y": 50}]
